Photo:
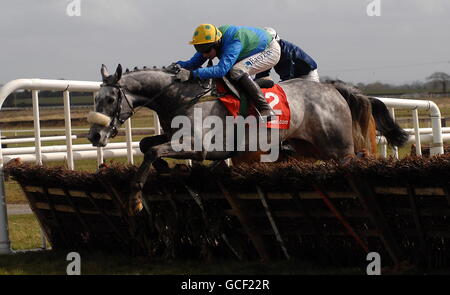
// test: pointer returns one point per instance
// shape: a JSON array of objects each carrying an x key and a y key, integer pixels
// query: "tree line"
[{"x": 438, "y": 82}]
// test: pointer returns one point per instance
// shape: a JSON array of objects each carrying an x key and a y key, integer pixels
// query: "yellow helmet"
[{"x": 205, "y": 33}]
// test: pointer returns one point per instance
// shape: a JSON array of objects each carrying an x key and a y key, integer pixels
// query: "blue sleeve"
[
  {"x": 229, "y": 57},
  {"x": 194, "y": 63},
  {"x": 298, "y": 53}
]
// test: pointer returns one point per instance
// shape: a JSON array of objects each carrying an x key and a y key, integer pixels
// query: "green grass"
[
  {"x": 24, "y": 232},
  {"x": 14, "y": 193}
]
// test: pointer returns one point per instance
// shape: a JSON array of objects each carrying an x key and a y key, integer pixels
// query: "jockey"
[
  {"x": 294, "y": 62},
  {"x": 243, "y": 52}
]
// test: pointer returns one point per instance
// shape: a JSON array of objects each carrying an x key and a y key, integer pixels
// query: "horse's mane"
[
  {"x": 339, "y": 84},
  {"x": 146, "y": 69}
]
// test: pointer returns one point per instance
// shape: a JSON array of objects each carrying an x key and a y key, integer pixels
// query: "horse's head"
[{"x": 112, "y": 108}]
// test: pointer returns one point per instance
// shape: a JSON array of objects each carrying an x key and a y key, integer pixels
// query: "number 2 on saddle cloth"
[{"x": 275, "y": 97}]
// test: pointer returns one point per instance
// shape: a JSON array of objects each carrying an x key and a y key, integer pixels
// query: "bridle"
[{"x": 118, "y": 111}]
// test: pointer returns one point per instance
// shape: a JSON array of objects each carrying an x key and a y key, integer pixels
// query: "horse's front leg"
[
  {"x": 148, "y": 142},
  {"x": 152, "y": 155}
]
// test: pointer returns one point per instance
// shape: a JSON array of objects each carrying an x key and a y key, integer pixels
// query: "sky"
[{"x": 406, "y": 42}]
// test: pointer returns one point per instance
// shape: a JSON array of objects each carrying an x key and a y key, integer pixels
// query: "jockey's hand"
[
  {"x": 184, "y": 75},
  {"x": 173, "y": 68}
]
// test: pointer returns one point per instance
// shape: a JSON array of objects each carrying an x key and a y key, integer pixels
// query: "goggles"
[{"x": 204, "y": 48}]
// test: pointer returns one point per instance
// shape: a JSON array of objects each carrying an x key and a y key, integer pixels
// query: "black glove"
[{"x": 184, "y": 75}]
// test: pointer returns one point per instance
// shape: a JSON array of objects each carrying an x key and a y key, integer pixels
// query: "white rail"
[
  {"x": 20, "y": 151},
  {"x": 57, "y": 130},
  {"x": 32, "y": 139},
  {"x": 415, "y": 105}
]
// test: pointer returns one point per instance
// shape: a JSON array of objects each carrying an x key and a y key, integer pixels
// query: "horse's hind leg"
[
  {"x": 339, "y": 154},
  {"x": 372, "y": 137},
  {"x": 336, "y": 142}
]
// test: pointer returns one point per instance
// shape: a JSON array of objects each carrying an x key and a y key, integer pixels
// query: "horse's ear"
[
  {"x": 114, "y": 79},
  {"x": 104, "y": 72},
  {"x": 118, "y": 73}
]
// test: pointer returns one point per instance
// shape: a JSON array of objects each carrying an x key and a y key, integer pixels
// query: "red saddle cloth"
[{"x": 275, "y": 97}]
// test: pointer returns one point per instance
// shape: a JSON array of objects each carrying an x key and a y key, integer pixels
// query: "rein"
[{"x": 194, "y": 101}]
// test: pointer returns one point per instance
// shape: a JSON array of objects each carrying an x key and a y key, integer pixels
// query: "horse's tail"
[
  {"x": 394, "y": 134},
  {"x": 361, "y": 110}
]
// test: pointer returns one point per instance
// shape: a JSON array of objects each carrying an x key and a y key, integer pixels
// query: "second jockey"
[{"x": 294, "y": 62}]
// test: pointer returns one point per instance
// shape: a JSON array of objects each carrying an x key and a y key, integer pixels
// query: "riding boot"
[{"x": 255, "y": 94}]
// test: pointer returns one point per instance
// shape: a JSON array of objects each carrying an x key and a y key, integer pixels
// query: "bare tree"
[{"x": 440, "y": 78}]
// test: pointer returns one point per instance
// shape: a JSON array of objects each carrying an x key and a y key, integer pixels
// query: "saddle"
[
  {"x": 233, "y": 86},
  {"x": 237, "y": 104},
  {"x": 225, "y": 86}
]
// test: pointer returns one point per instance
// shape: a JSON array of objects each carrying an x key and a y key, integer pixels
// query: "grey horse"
[{"x": 320, "y": 116}]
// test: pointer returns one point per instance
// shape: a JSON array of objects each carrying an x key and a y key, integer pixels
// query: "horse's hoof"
[{"x": 135, "y": 204}]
